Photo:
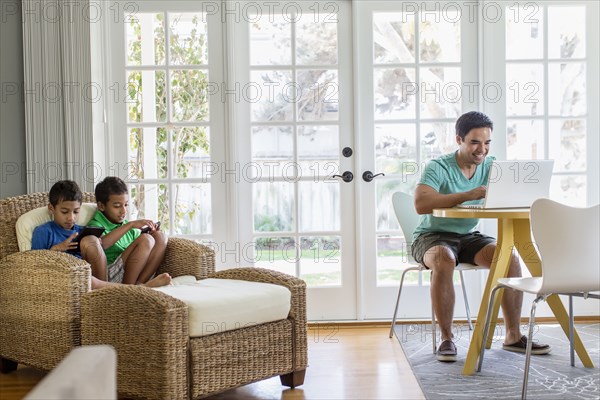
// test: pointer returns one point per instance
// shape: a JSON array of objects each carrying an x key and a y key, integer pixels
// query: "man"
[{"x": 441, "y": 243}]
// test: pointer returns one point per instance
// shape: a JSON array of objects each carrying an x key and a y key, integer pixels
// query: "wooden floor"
[{"x": 344, "y": 363}]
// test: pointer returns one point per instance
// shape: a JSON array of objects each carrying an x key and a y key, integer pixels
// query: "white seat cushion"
[
  {"x": 219, "y": 305},
  {"x": 38, "y": 216}
]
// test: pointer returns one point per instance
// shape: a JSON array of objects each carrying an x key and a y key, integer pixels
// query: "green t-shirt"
[
  {"x": 114, "y": 251},
  {"x": 444, "y": 175}
]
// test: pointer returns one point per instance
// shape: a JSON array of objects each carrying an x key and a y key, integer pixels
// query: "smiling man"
[{"x": 441, "y": 243}]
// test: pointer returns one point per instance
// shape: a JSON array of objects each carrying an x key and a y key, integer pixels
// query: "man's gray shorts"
[{"x": 464, "y": 246}]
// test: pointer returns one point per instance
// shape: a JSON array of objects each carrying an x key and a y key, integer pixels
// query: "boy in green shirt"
[
  {"x": 132, "y": 257},
  {"x": 441, "y": 243}
]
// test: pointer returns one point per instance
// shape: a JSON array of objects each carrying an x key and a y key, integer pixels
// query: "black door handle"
[
  {"x": 346, "y": 176},
  {"x": 368, "y": 176}
]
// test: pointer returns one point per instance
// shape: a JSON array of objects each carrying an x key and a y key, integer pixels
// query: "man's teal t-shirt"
[
  {"x": 444, "y": 175},
  {"x": 114, "y": 251}
]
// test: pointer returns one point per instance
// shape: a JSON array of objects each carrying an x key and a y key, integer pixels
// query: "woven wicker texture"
[
  {"x": 236, "y": 358},
  {"x": 40, "y": 293},
  {"x": 149, "y": 331},
  {"x": 46, "y": 308}
]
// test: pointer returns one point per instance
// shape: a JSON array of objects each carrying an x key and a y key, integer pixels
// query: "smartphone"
[{"x": 147, "y": 229}]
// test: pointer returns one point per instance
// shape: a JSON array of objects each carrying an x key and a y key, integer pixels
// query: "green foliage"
[{"x": 189, "y": 102}]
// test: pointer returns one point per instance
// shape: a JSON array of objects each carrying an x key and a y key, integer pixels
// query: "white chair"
[
  {"x": 567, "y": 240},
  {"x": 408, "y": 218}
]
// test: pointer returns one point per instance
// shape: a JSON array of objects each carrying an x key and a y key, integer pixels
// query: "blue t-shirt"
[
  {"x": 49, "y": 234},
  {"x": 444, "y": 175}
]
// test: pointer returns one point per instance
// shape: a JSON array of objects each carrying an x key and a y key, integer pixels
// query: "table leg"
[
  {"x": 498, "y": 269},
  {"x": 530, "y": 257}
]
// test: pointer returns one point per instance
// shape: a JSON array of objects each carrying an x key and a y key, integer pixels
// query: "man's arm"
[{"x": 427, "y": 198}]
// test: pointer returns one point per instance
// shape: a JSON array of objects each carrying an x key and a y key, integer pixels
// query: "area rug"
[{"x": 550, "y": 376}]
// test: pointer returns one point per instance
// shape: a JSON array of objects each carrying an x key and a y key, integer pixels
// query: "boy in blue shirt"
[
  {"x": 441, "y": 243},
  {"x": 64, "y": 203}
]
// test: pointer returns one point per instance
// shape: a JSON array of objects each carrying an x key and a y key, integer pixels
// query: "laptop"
[{"x": 515, "y": 184}]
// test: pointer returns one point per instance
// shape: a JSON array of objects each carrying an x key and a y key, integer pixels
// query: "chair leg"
[
  {"x": 486, "y": 327},
  {"x": 571, "y": 330},
  {"x": 293, "y": 379},
  {"x": 398, "y": 300},
  {"x": 433, "y": 329},
  {"x": 7, "y": 366},
  {"x": 464, "y": 290},
  {"x": 529, "y": 346}
]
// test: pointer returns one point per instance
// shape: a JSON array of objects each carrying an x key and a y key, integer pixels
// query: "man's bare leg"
[{"x": 441, "y": 261}]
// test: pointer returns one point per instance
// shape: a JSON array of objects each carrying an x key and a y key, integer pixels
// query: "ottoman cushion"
[{"x": 219, "y": 305}]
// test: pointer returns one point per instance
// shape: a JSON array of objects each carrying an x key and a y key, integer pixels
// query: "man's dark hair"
[
  {"x": 109, "y": 186},
  {"x": 64, "y": 191},
  {"x": 472, "y": 120}
]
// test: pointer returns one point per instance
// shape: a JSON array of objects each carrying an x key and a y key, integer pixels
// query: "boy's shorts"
[
  {"x": 116, "y": 271},
  {"x": 464, "y": 246}
]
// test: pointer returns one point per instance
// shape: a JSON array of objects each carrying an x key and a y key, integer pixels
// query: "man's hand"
[
  {"x": 67, "y": 245},
  {"x": 478, "y": 193}
]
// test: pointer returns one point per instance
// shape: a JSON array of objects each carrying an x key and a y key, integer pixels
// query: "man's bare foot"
[{"x": 160, "y": 280}]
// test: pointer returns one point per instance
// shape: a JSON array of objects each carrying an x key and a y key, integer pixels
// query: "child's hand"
[
  {"x": 67, "y": 245},
  {"x": 145, "y": 223}
]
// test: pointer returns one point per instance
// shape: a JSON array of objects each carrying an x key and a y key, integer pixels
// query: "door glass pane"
[
  {"x": 188, "y": 43},
  {"x": 524, "y": 31},
  {"x": 271, "y": 95},
  {"x": 320, "y": 260},
  {"x": 392, "y": 259},
  {"x": 568, "y": 145},
  {"x": 272, "y": 151},
  {"x": 394, "y": 96},
  {"x": 395, "y": 146},
  {"x": 437, "y": 138},
  {"x": 189, "y": 95},
  {"x": 147, "y": 153},
  {"x": 273, "y": 206},
  {"x": 318, "y": 149},
  {"x": 566, "y": 32},
  {"x": 569, "y": 189},
  {"x": 147, "y": 201},
  {"x": 147, "y": 47},
  {"x": 440, "y": 92},
  {"x": 567, "y": 93},
  {"x": 525, "y": 139},
  {"x": 524, "y": 84},
  {"x": 439, "y": 36},
  {"x": 146, "y": 96},
  {"x": 316, "y": 40},
  {"x": 394, "y": 38},
  {"x": 270, "y": 41},
  {"x": 319, "y": 206},
  {"x": 192, "y": 152},
  {"x": 276, "y": 253},
  {"x": 317, "y": 95},
  {"x": 193, "y": 207}
]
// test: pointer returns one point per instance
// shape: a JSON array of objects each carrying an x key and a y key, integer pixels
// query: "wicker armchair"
[{"x": 47, "y": 308}]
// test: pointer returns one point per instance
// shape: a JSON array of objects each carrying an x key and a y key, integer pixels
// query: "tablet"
[{"x": 89, "y": 230}]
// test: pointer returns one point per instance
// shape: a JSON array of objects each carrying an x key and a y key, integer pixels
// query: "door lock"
[{"x": 346, "y": 176}]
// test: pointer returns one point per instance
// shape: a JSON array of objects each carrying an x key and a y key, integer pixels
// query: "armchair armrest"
[
  {"x": 298, "y": 307},
  {"x": 40, "y": 300},
  {"x": 149, "y": 331},
  {"x": 186, "y": 257}
]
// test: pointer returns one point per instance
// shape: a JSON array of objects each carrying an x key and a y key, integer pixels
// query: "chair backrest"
[
  {"x": 567, "y": 239},
  {"x": 407, "y": 216},
  {"x": 11, "y": 208}
]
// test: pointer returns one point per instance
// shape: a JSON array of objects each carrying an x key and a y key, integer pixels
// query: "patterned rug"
[{"x": 550, "y": 376}]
